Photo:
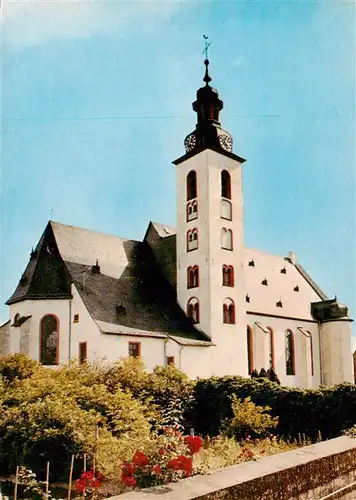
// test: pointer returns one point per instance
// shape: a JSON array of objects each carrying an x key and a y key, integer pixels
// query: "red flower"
[
  {"x": 128, "y": 480},
  {"x": 87, "y": 475},
  {"x": 156, "y": 469},
  {"x": 181, "y": 463},
  {"x": 80, "y": 485},
  {"x": 194, "y": 443},
  {"x": 128, "y": 468},
  {"x": 95, "y": 483},
  {"x": 161, "y": 451},
  {"x": 173, "y": 464},
  {"x": 140, "y": 459},
  {"x": 100, "y": 476}
]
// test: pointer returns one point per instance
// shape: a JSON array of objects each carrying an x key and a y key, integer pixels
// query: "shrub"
[
  {"x": 168, "y": 458},
  {"x": 329, "y": 410},
  {"x": 167, "y": 391},
  {"x": 17, "y": 367},
  {"x": 249, "y": 419},
  {"x": 272, "y": 376},
  {"x": 222, "y": 452},
  {"x": 54, "y": 414}
]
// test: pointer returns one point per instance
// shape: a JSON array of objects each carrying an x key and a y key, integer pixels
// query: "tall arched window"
[
  {"x": 290, "y": 352},
  {"x": 191, "y": 185},
  {"x": 270, "y": 343},
  {"x": 228, "y": 276},
  {"x": 225, "y": 184},
  {"x": 193, "y": 309},
  {"x": 229, "y": 311},
  {"x": 192, "y": 210},
  {"x": 249, "y": 350},
  {"x": 193, "y": 277},
  {"x": 192, "y": 239},
  {"x": 226, "y": 239},
  {"x": 49, "y": 338}
]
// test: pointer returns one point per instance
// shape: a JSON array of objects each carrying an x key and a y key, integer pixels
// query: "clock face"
[
  {"x": 225, "y": 142},
  {"x": 190, "y": 142}
]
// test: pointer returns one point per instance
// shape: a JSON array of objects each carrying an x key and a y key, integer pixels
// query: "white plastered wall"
[
  {"x": 303, "y": 376},
  {"x": 26, "y": 338},
  {"x": 230, "y": 354},
  {"x": 336, "y": 354}
]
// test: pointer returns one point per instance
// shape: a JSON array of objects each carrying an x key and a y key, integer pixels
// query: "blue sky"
[{"x": 96, "y": 102}]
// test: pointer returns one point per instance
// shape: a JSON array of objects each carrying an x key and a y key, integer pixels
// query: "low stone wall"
[{"x": 314, "y": 472}]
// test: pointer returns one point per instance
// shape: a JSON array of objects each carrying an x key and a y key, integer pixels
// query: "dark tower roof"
[
  {"x": 208, "y": 105},
  {"x": 208, "y": 132}
]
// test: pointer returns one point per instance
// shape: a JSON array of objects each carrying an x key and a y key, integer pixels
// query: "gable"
[{"x": 45, "y": 276}]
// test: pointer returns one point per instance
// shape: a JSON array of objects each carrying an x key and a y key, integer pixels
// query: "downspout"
[
  {"x": 165, "y": 350},
  {"x": 180, "y": 357},
  {"x": 320, "y": 354},
  {"x": 70, "y": 330}
]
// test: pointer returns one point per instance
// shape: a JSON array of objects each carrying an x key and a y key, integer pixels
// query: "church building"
[{"x": 192, "y": 296}]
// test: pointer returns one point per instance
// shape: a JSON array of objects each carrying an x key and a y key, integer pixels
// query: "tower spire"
[
  {"x": 207, "y": 44},
  {"x": 206, "y": 78}
]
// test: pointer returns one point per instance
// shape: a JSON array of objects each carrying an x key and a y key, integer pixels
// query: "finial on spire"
[{"x": 206, "y": 78}]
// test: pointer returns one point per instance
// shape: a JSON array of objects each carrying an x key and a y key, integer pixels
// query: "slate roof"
[
  {"x": 129, "y": 293},
  {"x": 134, "y": 292}
]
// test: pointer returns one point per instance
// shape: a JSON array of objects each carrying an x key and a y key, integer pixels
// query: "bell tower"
[{"x": 210, "y": 278}]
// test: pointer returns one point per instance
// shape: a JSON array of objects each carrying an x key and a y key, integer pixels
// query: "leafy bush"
[
  {"x": 222, "y": 452},
  {"x": 17, "y": 367},
  {"x": 328, "y": 410},
  {"x": 55, "y": 413},
  {"x": 167, "y": 391},
  {"x": 249, "y": 419},
  {"x": 169, "y": 458}
]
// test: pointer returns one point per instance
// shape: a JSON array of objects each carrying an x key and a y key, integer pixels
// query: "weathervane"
[{"x": 207, "y": 45}]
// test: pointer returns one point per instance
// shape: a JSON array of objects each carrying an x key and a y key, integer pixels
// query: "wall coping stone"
[{"x": 197, "y": 486}]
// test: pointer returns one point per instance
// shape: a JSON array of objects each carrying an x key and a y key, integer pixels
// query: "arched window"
[
  {"x": 16, "y": 319},
  {"x": 191, "y": 185},
  {"x": 229, "y": 311},
  {"x": 193, "y": 277},
  {"x": 226, "y": 210},
  {"x": 226, "y": 239},
  {"x": 193, "y": 309},
  {"x": 270, "y": 343},
  {"x": 290, "y": 352},
  {"x": 225, "y": 184},
  {"x": 228, "y": 276},
  {"x": 249, "y": 350},
  {"x": 192, "y": 239},
  {"x": 192, "y": 210},
  {"x": 49, "y": 338}
]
